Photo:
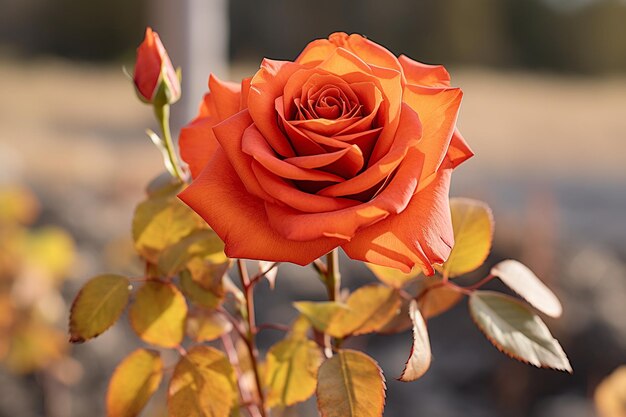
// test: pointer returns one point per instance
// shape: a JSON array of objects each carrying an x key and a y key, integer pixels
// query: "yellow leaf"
[
  {"x": 400, "y": 322},
  {"x": 300, "y": 327},
  {"x": 420, "y": 357},
  {"x": 199, "y": 244},
  {"x": 525, "y": 283},
  {"x": 320, "y": 313},
  {"x": 160, "y": 222},
  {"x": 134, "y": 381},
  {"x": 472, "y": 222},
  {"x": 610, "y": 395},
  {"x": 158, "y": 314},
  {"x": 199, "y": 295},
  {"x": 369, "y": 308},
  {"x": 97, "y": 306},
  {"x": 350, "y": 384},
  {"x": 203, "y": 385},
  {"x": 51, "y": 249},
  {"x": 207, "y": 274},
  {"x": 393, "y": 277},
  {"x": 206, "y": 325},
  {"x": 18, "y": 204},
  {"x": 434, "y": 299},
  {"x": 291, "y": 371},
  {"x": 516, "y": 330}
]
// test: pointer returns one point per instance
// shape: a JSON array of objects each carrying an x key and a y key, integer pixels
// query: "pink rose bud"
[{"x": 155, "y": 78}]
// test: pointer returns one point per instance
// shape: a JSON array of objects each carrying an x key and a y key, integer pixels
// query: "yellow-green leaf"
[
  {"x": 97, "y": 306},
  {"x": 369, "y": 308},
  {"x": 199, "y": 244},
  {"x": 320, "y": 313},
  {"x": 435, "y": 299},
  {"x": 472, "y": 222},
  {"x": 516, "y": 330},
  {"x": 206, "y": 325},
  {"x": 393, "y": 277},
  {"x": 524, "y": 282},
  {"x": 207, "y": 274},
  {"x": 291, "y": 371},
  {"x": 203, "y": 385},
  {"x": 158, "y": 314},
  {"x": 420, "y": 357},
  {"x": 134, "y": 381},
  {"x": 350, "y": 384},
  {"x": 610, "y": 395},
  {"x": 160, "y": 222},
  {"x": 199, "y": 295}
]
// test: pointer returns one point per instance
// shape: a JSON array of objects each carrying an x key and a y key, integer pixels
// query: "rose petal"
[
  {"x": 420, "y": 235},
  {"x": 239, "y": 219},
  {"x": 407, "y": 135},
  {"x": 197, "y": 143},
  {"x": 459, "y": 151},
  {"x": 256, "y": 146},
  {"x": 287, "y": 194},
  {"x": 226, "y": 95},
  {"x": 267, "y": 85},
  {"x": 423, "y": 74},
  {"x": 229, "y": 134},
  {"x": 438, "y": 109}
]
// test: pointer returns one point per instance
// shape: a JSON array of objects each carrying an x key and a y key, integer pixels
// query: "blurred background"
[{"x": 544, "y": 110}]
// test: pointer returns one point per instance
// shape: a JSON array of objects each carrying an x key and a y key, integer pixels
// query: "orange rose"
[
  {"x": 347, "y": 146},
  {"x": 155, "y": 78}
]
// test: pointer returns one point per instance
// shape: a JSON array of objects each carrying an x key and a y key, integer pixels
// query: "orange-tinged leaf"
[
  {"x": 393, "y": 277},
  {"x": 199, "y": 295},
  {"x": 158, "y": 314},
  {"x": 420, "y": 357},
  {"x": 134, "y": 381},
  {"x": 524, "y": 282},
  {"x": 161, "y": 221},
  {"x": 350, "y": 384},
  {"x": 369, "y": 309},
  {"x": 472, "y": 222},
  {"x": 291, "y": 371},
  {"x": 435, "y": 299},
  {"x": 320, "y": 313},
  {"x": 400, "y": 322},
  {"x": 203, "y": 385},
  {"x": 610, "y": 395},
  {"x": 516, "y": 330},
  {"x": 206, "y": 325},
  {"x": 97, "y": 306}
]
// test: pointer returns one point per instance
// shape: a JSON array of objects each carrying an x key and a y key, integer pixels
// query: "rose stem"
[
  {"x": 333, "y": 278},
  {"x": 248, "y": 291},
  {"x": 231, "y": 351},
  {"x": 163, "y": 116}
]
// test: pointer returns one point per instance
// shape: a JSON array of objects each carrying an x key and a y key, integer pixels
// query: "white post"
[{"x": 195, "y": 33}]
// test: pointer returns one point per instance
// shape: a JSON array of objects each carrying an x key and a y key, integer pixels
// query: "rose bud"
[
  {"x": 156, "y": 80},
  {"x": 346, "y": 146}
]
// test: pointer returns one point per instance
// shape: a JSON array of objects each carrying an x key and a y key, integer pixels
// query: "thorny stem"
[
  {"x": 260, "y": 275},
  {"x": 231, "y": 352},
  {"x": 248, "y": 291},
  {"x": 163, "y": 116}
]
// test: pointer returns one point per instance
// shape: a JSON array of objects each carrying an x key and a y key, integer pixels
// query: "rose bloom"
[{"x": 346, "y": 146}]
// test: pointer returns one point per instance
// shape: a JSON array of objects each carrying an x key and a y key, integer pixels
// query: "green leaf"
[
  {"x": 350, "y": 384},
  {"x": 319, "y": 313},
  {"x": 420, "y": 357},
  {"x": 203, "y": 385},
  {"x": 97, "y": 306},
  {"x": 516, "y": 330},
  {"x": 158, "y": 314},
  {"x": 199, "y": 295},
  {"x": 160, "y": 222},
  {"x": 525, "y": 283},
  {"x": 472, "y": 222},
  {"x": 206, "y": 325},
  {"x": 291, "y": 371},
  {"x": 199, "y": 244},
  {"x": 369, "y": 308},
  {"x": 134, "y": 381},
  {"x": 393, "y": 277}
]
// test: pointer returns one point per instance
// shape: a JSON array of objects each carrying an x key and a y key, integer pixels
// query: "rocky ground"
[{"x": 550, "y": 160}]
